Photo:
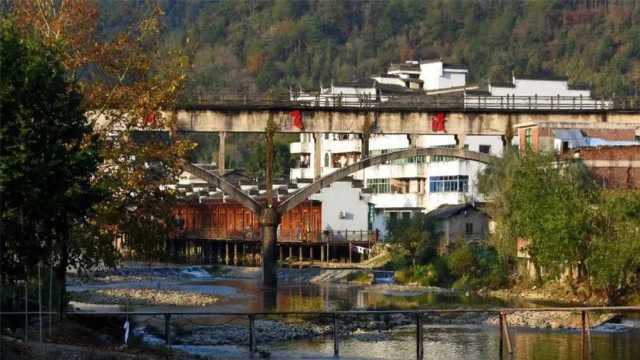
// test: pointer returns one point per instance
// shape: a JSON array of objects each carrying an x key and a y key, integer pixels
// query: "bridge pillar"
[
  {"x": 317, "y": 155},
  {"x": 365, "y": 145},
  {"x": 412, "y": 139},
  {"x": 460, "y": 140},
  {"x": 269, "y": 220},
  {"x": 221, "y": 152}
]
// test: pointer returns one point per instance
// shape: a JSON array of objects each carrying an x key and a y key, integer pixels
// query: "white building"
[
  {"x": 401, "y": 187},
  {"x": 351, "y": 213},
  {"x": 534, "y": 93}
]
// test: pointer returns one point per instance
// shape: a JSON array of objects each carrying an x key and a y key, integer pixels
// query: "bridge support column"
[
  {"x": 221, "y": 152},
  {"x": 365, "y": 145},
  {"x": 460, "y": 140},
  {"x": 317, "y": 156},
  {"x": 269, "y": 220}
]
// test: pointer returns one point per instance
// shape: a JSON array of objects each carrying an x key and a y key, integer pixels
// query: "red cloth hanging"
[
  {"x": 296, "y": 116},
  {"x": 437, "y": 122},
  {"x": 151, "y": 118}
]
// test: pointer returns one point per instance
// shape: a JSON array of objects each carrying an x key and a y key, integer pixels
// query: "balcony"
[
  {"x": 387, "y": 171},
  {"x": 301, "y": 147},
  {"x": 388, "y": 200},
  {"x": 344, "y": 146},
  {"x": 301, "y": 173}
]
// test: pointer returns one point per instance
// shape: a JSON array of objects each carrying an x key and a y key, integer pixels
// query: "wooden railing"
[{"x": 333, "y": 236}]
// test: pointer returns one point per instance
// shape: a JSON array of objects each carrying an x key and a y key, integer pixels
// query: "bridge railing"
[
  {"x": 420, "y": 101},
  {"x": 339, "y": 318}
]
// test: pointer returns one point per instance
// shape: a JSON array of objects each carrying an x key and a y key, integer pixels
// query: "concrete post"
[
  {"x": 460, "y": 140},
  {"x": 365, "y": 146},
  {"x": 269, "y": 220},
  {"x": 221, "y": 152},
  {"x": 317, "y": 156}
]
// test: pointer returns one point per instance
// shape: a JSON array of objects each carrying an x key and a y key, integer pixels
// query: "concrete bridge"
[
  {"x": 426, "y": 117},
  {"x": 447, "y": 117},
  {"x": 271, "y": 213}
]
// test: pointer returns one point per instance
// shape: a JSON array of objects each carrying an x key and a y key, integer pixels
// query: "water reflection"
[
  {"x": 468, "y": 342},
  {"x": 328, "y": 297}
]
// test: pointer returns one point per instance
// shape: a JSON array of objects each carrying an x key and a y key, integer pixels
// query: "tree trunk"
[{"x": 61, "y": 274}]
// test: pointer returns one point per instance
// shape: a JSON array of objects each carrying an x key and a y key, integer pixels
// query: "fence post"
[
  {"x": 501, "y": 346},
  {"x": 26, "y": 308},
  {"x": 505, "y": 327},
  {"x": 419, "y": 340},
  {"x": 167, "y": 329},
  {"x": 336, "y": 350},
  {"x": 40, "y": 299},
  {"x": 583, "y": 335},
  {"x": 252, "y": 338}
]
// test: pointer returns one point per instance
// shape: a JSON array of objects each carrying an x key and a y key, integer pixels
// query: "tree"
[
  {"x": 546, "y": 204},
  {"x": 48, "y": 155},
  {"x": 255, "y": 164},
  {"x": 413, "y": 238},
  {"x": 615, "y": 244},
  {"x": 126, "y": 78}
]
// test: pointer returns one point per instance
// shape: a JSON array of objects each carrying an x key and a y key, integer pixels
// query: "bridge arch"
[{"x": 301, "y": 195}]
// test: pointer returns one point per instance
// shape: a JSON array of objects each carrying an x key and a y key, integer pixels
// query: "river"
[{"x": 441, "y": 341}]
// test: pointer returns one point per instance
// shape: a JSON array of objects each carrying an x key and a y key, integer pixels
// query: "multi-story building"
[{"x": 401, "y": 187}]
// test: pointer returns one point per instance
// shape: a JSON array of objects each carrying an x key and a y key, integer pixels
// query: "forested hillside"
[{"x": 250, "y": 45}]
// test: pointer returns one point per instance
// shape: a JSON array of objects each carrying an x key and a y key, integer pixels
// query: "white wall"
[
  {"x": 342, "y": 197},
  {"x": 531, "y": 87},
  {"x": 436, "y": 76}
]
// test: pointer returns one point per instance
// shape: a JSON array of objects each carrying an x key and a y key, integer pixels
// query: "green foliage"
[
  {"x": 413, "y": 238},
  {"x": 544, "y": 203},
  {"x": 568, "y": 222},
  {"x": 615, "y": 245},
  {"x": 248, "y": 45},
  {"x": 256, "y": 163},
  {"x": 476, "y": 266},
  {"x": 47, "y": 157}
]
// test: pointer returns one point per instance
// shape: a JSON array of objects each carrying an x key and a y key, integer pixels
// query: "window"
[
  {"x": 378, "y": 186},
  {"x": 527, "y": 137},
  {"x": 468, "y": 228},
  {"x": 458, "y": 183},
  {"x": 439, "y": 158},
  {"x": 406, "y": 215},
  {"x": 485, "y": 149}
]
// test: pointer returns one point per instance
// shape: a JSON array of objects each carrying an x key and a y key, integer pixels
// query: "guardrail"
[
  {"x": 335, "y": 316},
  {"x": 418, "y": 102}
]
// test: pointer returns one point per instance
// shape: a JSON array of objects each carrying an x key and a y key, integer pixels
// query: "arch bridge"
[{"x": 271, "y": 213}]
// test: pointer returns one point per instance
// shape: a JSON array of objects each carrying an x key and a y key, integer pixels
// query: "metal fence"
[
  {"x": 417, "y": 102},
  {"x": 335, "y": 317}
]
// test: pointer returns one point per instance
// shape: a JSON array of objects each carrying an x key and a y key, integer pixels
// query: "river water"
[{"x": 467, "y": 341}]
